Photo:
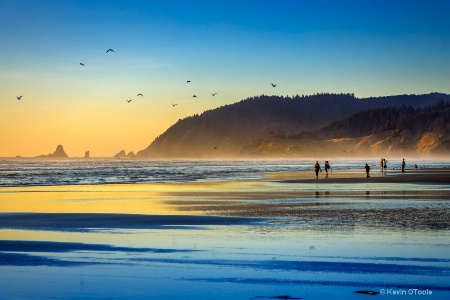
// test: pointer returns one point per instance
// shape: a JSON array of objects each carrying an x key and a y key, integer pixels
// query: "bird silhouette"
[
  {"x": 81, "y": 64},
  {"x": 215, "y": 147},
  {"x": 188, "y": 81},
  {"x": 129, "y": 100},
  {"x": 213, "y": 94},
  {"x": 109, "y": 50},
  {"x": 194, "y": 96},
  {"x": 174, "y": 104},
  {"x": 19, "y": 97},
  {"x": 140, "y": 95},
  {"x": 273, "y": 85}
]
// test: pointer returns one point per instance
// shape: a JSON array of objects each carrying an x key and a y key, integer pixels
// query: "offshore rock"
[{"x": 59, "y": 153}]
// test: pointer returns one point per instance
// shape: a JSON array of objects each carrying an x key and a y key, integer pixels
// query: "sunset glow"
[{"x": 232, "y": 48}]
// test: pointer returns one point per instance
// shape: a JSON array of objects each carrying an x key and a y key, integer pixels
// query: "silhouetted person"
[
  {"x": 367, "y": 170},
  {"x": 403, "y": 165},
  {"x": 415, "y": 167},
  {"x": 382, "y": 164},
  {"x": 317, "y": 169},
  {"x": 327, "y": 166}
]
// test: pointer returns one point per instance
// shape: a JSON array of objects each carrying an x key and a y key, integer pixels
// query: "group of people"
[
  {"x": 317, "y": 168},
  {"x": 383, "y": 165}
]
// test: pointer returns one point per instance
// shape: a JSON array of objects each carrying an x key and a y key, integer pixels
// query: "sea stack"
[
  {"x": 86, "y": 154},
  {"x": 59, "y": 153},
  {"x": 121, "y": 154},
  {"x": 131, "y": 154}
]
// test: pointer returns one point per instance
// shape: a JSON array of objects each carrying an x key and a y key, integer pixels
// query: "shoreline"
[
  {"x": 346, "y": 196},
  {"x": 426, "y": 176}
]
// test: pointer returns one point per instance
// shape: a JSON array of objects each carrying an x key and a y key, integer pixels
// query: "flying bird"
[
  {"x": 140, "y": 95},
  {"x": 194, "y": 96},
  {"x": 174, "y": 104},
  {"x": 129, "y": 100},
  {"x": 273, "y": 85},
  {"x": 19, "y": 97},
  {"x": 213, "y": 94},
  {"x": 215, "y": 147},
  {"x": 81, "y": 64},
  {"x": 188, "y": 81},
  {"x": 109, "y": 50}
]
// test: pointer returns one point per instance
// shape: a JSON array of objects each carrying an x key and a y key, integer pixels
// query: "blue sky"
[{"x": 234, "y": 48}]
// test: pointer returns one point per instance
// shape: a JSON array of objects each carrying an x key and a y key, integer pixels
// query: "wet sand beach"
[{"x": 284, "y": 236}]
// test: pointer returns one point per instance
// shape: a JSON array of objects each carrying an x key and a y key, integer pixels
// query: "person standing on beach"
[
  {"x": 415, "y": 167},
  {"x": 385, "y": 164},
  {"x": 327, "y": 166},
  {"x": 382, "y": 164},
  {"x": 317, "y": 169},
  {"x": 403, "y": 165},
  {"x": 367, "y": 170}
]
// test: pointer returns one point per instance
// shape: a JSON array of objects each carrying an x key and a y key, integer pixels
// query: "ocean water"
[
  {"x": 297, "y": 241},
  {"x": 36, "y": 172}
]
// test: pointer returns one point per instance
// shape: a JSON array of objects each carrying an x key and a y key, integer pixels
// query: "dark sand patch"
[
  {"x": 87, "y": 222},
  {"x": 19, "y": 259},
  {"x": 60, "y": 247},
  {"x": 429, "y": 176},
  {"x": 373, "y": 293}
]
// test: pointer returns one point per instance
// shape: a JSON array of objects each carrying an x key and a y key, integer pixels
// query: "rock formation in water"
[
  {"x": 131, "y": 154},
  {"x": 86, "y": 154},
  {"x": 59, "y": 153},
  {"x": 121, "y": 154}
]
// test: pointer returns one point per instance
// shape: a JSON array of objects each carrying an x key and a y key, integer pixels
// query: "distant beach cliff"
[{"x": 319, "y": 125}]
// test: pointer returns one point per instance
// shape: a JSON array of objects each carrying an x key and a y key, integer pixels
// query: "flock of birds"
[{"x": 129, "y": 100}]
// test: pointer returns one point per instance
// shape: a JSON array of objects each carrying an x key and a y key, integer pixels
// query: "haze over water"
[{"x": 32, "y": 172}]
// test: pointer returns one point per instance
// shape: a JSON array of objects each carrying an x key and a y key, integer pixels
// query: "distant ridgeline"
[{"x": 322, "y": 125}]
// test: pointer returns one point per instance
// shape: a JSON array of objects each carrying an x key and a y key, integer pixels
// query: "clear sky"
[{"x": 232, "y": 48}]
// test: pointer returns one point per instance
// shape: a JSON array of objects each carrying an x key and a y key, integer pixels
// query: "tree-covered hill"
[{"x": 230, "y": 130}]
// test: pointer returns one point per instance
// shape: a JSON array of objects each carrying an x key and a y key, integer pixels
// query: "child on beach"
[
  {"x": 317, "y": 169},
  {"x": 367, "y": 170}
]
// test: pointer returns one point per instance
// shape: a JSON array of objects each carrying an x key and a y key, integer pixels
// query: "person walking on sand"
[
  {"x": 327, "y": 166},
  {"x": 385, "y": 164},
  {"x": 367, "y": 170},
  {"x": 403, "y": 165},
  {"x": 317, "y": 169}
]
